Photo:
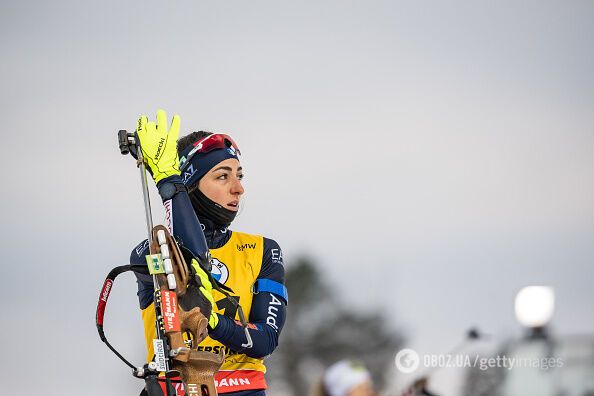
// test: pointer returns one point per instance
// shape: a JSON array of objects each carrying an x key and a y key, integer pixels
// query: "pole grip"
[{"x": 123, "y": 141}]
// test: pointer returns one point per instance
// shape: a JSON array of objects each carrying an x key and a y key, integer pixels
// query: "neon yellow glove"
[
  {"x": 159, "y": 145},
  {"x": 206, "y": 289}
]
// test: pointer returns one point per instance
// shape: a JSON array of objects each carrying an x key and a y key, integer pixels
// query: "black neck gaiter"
[{"x": 205, "y": 207}]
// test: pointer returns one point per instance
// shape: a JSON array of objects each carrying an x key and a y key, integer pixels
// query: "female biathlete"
[{"x": 200, "y": 184}]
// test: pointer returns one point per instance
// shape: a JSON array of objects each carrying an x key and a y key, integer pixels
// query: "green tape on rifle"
[{"x": 155, "y": 264}]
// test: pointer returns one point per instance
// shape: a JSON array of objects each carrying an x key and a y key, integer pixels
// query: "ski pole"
[{"x": 129, "y": 143}]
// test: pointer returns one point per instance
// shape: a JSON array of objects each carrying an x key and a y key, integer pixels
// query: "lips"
[{"x": 233, "y": 205}]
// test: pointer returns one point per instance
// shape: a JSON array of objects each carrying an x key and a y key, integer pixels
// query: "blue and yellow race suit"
[{"x": 252, "y": 266}]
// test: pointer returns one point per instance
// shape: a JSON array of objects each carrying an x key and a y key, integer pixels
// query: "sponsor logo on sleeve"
[
  {"x": 168, "y": 216},
  {"x": 141, "y": 247},
  {"x": 273, "y": 312},
  {"x": 277, "y": 255}
]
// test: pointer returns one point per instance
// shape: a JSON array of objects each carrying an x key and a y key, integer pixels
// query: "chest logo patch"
[{"x": 219, "y": 270}]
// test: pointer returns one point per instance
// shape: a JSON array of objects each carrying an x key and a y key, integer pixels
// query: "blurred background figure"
[
  {"x": 419, "y": 388},
  {"x": 345, "y": 378}
]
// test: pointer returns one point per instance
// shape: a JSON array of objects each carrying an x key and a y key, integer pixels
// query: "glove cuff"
[
  {"x": 213, "y": 322},
  {"x": 170, "y": 186}
]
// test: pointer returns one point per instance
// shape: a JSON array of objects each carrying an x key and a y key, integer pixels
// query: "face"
[
  {"x": 364, "y": 389},
  {"x": 222, "y": 184}
]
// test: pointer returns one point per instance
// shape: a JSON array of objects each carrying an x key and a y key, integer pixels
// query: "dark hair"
[{"x": 190, "y": 139}]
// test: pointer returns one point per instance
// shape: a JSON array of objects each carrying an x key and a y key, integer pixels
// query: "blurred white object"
[
  {"x": 535, "y": 305},
  {"x": 342, "y": 377}
]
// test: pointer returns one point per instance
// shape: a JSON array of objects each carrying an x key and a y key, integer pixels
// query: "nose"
[{"x": 237, "y": 187}]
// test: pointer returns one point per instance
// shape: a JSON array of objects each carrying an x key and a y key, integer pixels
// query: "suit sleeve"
[
  {"x": 145, "y": 297},
  {"x": 268, "y": 311},
  {"x": 144, "y": 281},
  {"x": 183, "y": 223}
]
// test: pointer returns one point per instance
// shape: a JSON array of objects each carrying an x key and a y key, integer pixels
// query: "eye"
[
  {"x": 240, "y": 176},
  {"x": 222, "y": 177}
]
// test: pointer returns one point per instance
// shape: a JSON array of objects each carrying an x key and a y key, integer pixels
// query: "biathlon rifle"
[{"x": 172, "y": 278}]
